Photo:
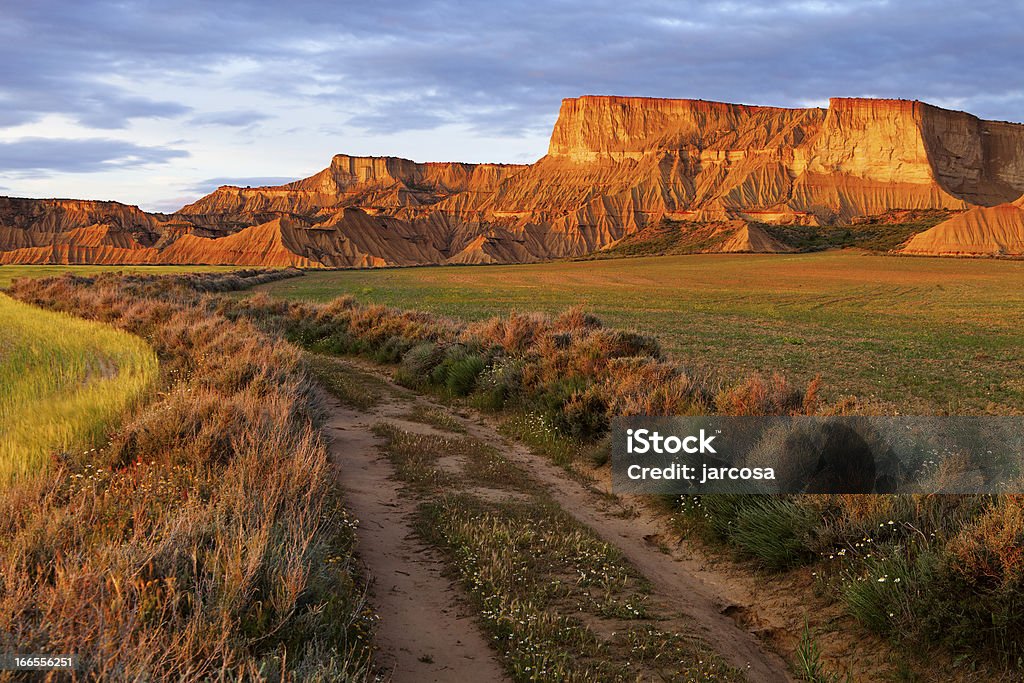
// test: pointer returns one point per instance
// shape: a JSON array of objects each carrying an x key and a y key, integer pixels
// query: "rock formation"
[
  {"x": 981, "y": 231},
  {"x": 751, "y": 239},
  {"x": 615, "y": 167}
]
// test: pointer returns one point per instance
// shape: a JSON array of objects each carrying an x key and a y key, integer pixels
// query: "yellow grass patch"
[{"x": 63, "y": 381}]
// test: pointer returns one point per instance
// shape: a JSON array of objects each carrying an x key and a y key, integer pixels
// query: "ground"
[
  {"x": 432, "y": 518},
  {"x": 622, "y": 605},
  {"x": 912, "y": 334}
]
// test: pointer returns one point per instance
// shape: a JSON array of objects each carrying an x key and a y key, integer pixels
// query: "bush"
[
  {"x": 773, "y": 531},
  {"x": 392, "y": 350},
  {"x": 462, "y": 375},
  {"x": 989, "y": 552},
  {"x": 584, "y": 416},
  {"x": 757, "y": 396},
  {"x": 500, "y": 383},
  {"x": 420, "y": 360}
]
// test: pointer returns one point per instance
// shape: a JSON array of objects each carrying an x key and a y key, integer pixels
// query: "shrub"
[
  {"x": 462, "y": 374},
  {"x": 989, "y": 552},
  {"x": 757, "y": 396},
  {"x": 500, "y": 383},
  {"x": 419, "y": 361},
  {"x": 773, "y": 531},
  {"x": 576, "y": 320},
  {"x": 584, "y": 416},
  {"x": 392, "y": 350}
]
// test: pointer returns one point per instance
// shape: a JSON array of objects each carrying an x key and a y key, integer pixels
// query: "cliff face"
[
  {"x": 615, "y": 166},
  {"x": 381, "y": 184}
]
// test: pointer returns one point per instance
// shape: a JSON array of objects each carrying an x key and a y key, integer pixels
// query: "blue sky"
[{"x": 156, "y": 103}]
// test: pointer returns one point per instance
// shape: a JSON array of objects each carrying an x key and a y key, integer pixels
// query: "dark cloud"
[
  {"x": 500, "y": 67},
  {"x": 210, "y": 184},
  {"x": 40, "y": 157}
]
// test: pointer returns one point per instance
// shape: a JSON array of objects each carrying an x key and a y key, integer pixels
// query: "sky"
[{"x": 157, "y": 103}]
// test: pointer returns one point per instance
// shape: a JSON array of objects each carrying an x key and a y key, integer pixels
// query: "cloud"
[
  {"x": 210, "y": 184},
  {"x": 500, "y": 68},
  {"x": 34, "y": 157},
  {"x": 237, "y": 118},
  {"x": 392, "y": 118}
]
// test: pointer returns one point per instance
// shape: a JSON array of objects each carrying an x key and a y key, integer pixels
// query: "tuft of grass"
[
  {"x": 773, "y": 531},
  {"x": 349, "y": 385},
  {"x": 808, "y": 660},
  {"x": 63, "y": 383},
  {"x": 435, "y": 417}
]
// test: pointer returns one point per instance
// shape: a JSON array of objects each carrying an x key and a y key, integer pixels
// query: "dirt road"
[{"x": 426, "y": 631}]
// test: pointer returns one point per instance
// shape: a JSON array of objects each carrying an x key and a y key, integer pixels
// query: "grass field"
[
  {"x": 62, "y": 382},
  {"x": 917, "y": 335},
  {"x": 9, "y": 273}
]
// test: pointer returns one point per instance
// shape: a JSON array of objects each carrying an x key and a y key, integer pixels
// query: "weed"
[
  {"x": 435, "y": 417},
  {"x": 352, "y": 387},
  {"x": 808, "y": 659}
]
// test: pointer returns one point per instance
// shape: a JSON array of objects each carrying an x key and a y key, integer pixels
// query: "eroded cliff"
[{"x": 615, "y": 167}]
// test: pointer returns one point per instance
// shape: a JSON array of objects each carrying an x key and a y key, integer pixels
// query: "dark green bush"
[
  {"x": 462, "y": 374},
  {"x": 584, "y": 416},
  {"x": 773, "y": 531},
  {"x": 392, "y": 350}
]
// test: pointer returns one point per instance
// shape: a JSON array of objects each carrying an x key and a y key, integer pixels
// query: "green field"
[
  {"x": 916, "y": 335},
  {"x": 63, "y": 381},
  {"x": 9, "y": 273}
]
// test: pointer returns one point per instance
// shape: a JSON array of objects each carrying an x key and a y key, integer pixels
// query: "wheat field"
[{"x": 63, "y": 382}]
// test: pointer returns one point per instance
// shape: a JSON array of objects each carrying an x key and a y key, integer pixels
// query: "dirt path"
[
  {"x": 420, "y": 610},
  {"x": 637, "y": 538},
  {"x": 424, "y": 632}
]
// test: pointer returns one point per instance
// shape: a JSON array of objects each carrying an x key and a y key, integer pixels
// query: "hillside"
[
  {"x": 981, "y": 231},
  {"x": 615, "y": 167}
]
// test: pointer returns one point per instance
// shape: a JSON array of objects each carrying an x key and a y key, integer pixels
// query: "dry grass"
[
  {"x": 204, "y": 540},
  {"x": 569, "y": 368}
]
